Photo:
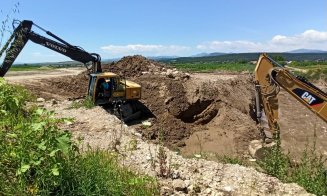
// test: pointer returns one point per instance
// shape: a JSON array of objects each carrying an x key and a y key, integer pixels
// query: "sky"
[{"x": 115, "y": 28}]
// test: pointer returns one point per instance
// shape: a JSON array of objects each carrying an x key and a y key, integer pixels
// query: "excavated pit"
[{"x": 197, "y": 111}]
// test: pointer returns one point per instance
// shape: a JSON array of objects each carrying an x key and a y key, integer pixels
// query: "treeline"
[{"x": 247, "y": 57}]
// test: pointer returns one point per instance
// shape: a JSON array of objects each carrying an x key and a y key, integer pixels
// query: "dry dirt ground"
[
  {"x": 176, "y": 175},
  {"x": 203, "y": 113}
]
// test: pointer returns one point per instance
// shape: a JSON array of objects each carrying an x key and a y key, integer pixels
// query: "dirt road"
[{"x": 20, "y": 76}]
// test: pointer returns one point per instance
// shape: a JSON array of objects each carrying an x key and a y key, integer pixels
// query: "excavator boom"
[
  {"x": 22, "y": 33},
  {"x": 269, "y": 77}
]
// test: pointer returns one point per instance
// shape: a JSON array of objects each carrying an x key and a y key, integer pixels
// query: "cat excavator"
[
  {"x": 120, "y": 92},
  {"x": 270, "y": 76}
]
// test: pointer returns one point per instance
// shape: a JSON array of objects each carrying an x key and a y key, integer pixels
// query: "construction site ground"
[{"x": 194, "y": 114}]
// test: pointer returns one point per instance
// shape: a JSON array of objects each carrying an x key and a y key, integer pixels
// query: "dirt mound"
[{"x": 132, "y": 66}]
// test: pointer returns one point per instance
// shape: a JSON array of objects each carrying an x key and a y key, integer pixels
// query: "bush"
[{"x": 37, "y": 158}]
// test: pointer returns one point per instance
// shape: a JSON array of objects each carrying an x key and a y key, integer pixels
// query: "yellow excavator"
[
  {"x": 269, "y": 77},
  {"x": 103, "y": 88}
]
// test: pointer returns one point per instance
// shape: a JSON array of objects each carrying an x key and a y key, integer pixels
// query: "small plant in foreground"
[
  {"x": 230, "y": 160},
  {"x": 87, "y": 103}
]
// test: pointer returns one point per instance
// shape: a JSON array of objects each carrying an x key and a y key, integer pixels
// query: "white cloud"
[
  {"x": 230, "y": 46},
  {"x": 146, "y": 50},
  {"x": 308, "y": 36},
  {"x": 310, "y": 39}
]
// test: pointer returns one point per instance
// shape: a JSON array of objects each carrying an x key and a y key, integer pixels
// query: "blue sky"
[{"x": 114, "y": 28}]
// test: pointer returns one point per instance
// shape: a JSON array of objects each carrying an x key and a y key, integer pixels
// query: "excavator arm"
[
  {"x": 269, "y": 77},
  {"x": 22, "y": 33}
]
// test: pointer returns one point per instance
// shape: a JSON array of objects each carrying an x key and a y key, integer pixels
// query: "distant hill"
[
  {"x": 204, "y": 54},
  {"x": 158, "y": 58},
  {"x": 303, "y": 50},
  {"x": 246, "y": 57}
]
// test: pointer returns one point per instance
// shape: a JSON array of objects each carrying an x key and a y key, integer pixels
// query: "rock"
[
  {"x": 258, "y": 150},
  {"x": 146, "y": 123},
  {"x": 175, "y": 73},
  {"x": 187, "y": 183},
  {"x": 169, "y": 73},
  {"x": 40, "y": 99},
  {"x": 53, "y": 102},
  {"x": 228, "y": 188},
  {"x": 254, "y": 146},
  {"x": 168, "y": 99},
  {"x": 207, "y": 191},
  {"x": 175, "y": 175},
  {"x": 179, "y": 185},
  {"x": 166, "y": 191},
  {"x": 186, "y": 76}
]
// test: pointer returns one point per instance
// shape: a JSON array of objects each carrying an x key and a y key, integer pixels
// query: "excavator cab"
[{"x": 108, "y": 87}]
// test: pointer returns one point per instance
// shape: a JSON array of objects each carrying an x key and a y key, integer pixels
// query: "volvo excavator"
[
  {"x": 270, "y": 76},
  {"x": 120, "y": 92}
]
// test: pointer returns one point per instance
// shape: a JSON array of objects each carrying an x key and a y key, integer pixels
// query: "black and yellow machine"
[
  {"x": 269, "y": 77},
  {"x": 103, "y": 88}
]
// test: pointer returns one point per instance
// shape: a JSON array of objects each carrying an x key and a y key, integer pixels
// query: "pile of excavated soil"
[
  {"x": 133, "y": 66},
  {"x": 195, "y": 114}
]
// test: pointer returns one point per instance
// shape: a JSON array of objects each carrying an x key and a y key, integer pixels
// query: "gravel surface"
[{"x": 176, "y": 175}]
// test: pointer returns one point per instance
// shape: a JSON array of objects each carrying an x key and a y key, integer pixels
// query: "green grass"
[
  {"x": 314, "y": 74},
  {"x": 309, "y": 172},
  {"x": 207, "y": 67},
  {"x": 87, "y": 103},
  {"x": 38, "y": 158}
]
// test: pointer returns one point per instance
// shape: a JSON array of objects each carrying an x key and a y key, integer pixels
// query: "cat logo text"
[{"x": 308, "y": 98}]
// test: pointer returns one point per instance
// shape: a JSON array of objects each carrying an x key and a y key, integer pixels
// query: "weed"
[
  {"x": 164, "y": 166},
  {"x": 162, "y": 158},
  {"x": 37, "y": 158},
  {"x": 98, "y": 173},
  {"x": 132, "y": 144},
  {"x": 310, "y": 172},
  {"x": 230, "y": 160},
  {"x": 86, "y": 103},
  {"x": 275, "y": 162}
]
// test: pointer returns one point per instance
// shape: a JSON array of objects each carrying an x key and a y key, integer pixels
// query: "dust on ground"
[{"x": 194, "y": 113}]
